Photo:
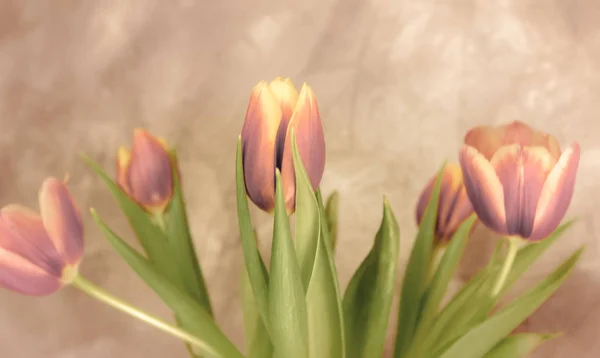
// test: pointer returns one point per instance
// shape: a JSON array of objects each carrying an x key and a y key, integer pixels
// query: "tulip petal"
[
  {"x": 521, "y": 133},
  {"x": 287, "y": 95},
  {"x": 522, "y": 172},
  {"x": 150, "y": 175},
  {"x": 556, "y": 194},
  {"x": 485, "y": 139},
  {"x": 22, "y": 232},
  {"x": 461, "y": 211},
  {"x": 123, "y": 162},
  {"x": 424, "y": 199},
  {"x": 62, "y": 220},
  {"x": 259, "y": 135},
  {"x": 484, "y": 189},
  {"x": 450, "y": 187},
  {"x": 20, "y": 275},
  {"x": 310, "y": 139}
]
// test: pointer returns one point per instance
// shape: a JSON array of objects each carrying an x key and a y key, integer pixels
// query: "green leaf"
[
  {"x": 194, "y": 317},
  {"x": 416, "y": 274},
  {"x": 461, "y": 315},
  {"x": 151, "y": 237},
  {"x": 331, "y": 213},
  {"x": 369, "y": 296},
  {"x": 528, "y": 254},
  {"x": 252, "y": 259},
  {"x": 287, "y": 306},
  {"x": 182, "y": 244},
  {"x": 482, "y": 338},
  {"x": 256, "y": 337},
  {"x": 323, "y": 304},
  {"x": 308, "y": 226},
  {"x": 437, "y": 289},
  {"x": 518, "y": 345}
]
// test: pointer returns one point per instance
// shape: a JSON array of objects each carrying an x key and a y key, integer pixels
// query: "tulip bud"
[
  {"x": 274, "y": 110},
  {"x": 519, "y": 183},
  {"x": 454, "y": 205},
  {"x": 145, "y": 173},
  {"x": 40, "y": 254}
]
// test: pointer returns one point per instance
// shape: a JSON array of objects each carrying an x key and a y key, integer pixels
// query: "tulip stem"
[
  {"x": 103, "y": 296},
  {"x": 513, "y": 248}
]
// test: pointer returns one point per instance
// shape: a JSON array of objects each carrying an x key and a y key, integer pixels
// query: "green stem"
[
  {"x": 513, "y": 247},
  {"x": 96, "y": 292}
]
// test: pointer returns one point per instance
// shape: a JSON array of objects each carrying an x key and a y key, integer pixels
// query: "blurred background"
[{"x": 398, "y": 84}]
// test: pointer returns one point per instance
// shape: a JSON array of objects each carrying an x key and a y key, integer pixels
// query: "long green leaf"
[
  {"x": 182, "y": 244},
  {"x": 461, "y": 315},
  {"x": 529, "y": 254},
  {"x": 308, "y": 225},
  {"x": 331, "y": 213},
  {"x": 193, "y": 316},
  {"x": 335, "y": 284},
  {"x": 325, "y": 327},
  {"x": 252, "y": 259},
  {"x": 287, "y": 305},
  {"x": 437, "y": 289},
  {"x": 256, "y": 337},
  {"x": 416, "y": 274},
  {"x": 482, "y": 338},
  {"x": 151, "y": 237},
  {"x": 369, "y": 296},
  {"x": 518, "y": 345}
]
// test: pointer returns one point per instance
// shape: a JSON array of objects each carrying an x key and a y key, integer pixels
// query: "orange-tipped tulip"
[
  {"x": 517, "y": 179},
  {"x": 41, "y": 253},
  {"x": 145, "y": 172},
  {"x": 454, "y": 205},
  {"x": 274, "y": 110}
]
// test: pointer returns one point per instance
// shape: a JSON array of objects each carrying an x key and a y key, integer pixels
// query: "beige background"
[{"x": 398, "y": 84}]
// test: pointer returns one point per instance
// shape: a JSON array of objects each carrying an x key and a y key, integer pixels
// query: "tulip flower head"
[
  {"x": 145, "y": 173},
  {"x": 519, "y": 182},
  {"x": 40, "y": 253},
  {"x": 454, "y": 205},
  {"x": 275, "y": 109}
]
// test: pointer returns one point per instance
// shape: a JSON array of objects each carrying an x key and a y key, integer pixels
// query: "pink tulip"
[
  {"x": 519, "y": 182},
  {"x": 454, "y": 205},
  {"x": 145, "y": 173},
  {"x": 41, "y": 253},
  {"x": 274, "y": 110}
]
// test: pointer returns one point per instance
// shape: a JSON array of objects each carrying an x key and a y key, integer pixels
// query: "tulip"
[
  {"x": 145, "y": 172},
  {"x": 454, "y": 205},
  {"x": 517, "y": 179},
  {"x": 39, "y": 254},
  {"x": 519, "y": 182},
  {"x": 274, "y": 111}
]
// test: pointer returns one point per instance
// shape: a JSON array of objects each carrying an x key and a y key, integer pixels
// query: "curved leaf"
[
  {"x": 256, "y": 337},
  {"x": 151, "y": 237},
  {"x": 323, "y": 304},
  {"x": 482, "y": 338},
  {"x": 417, "y": 274},
  {"x": 369, "y": 296},
  {"x": 331, "y": 213},
  {"x": 518, "y": 345},
  {"x": 439, "y": 284},
  {"x": 182, "y": 244},
  {"x": 192, "y": 314},
  {"x": 254, "y": 264},
  {"x": 287, "y": 305}
]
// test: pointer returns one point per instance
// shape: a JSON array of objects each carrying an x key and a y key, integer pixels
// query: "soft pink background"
[{"x": 398, "y": 83}]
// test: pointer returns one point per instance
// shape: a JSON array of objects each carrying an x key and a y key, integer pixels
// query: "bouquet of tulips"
[{"x": 511, "y": 179}]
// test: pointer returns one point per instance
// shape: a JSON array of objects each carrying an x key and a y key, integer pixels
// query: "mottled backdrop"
[{"x": 398, "y": 84}]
